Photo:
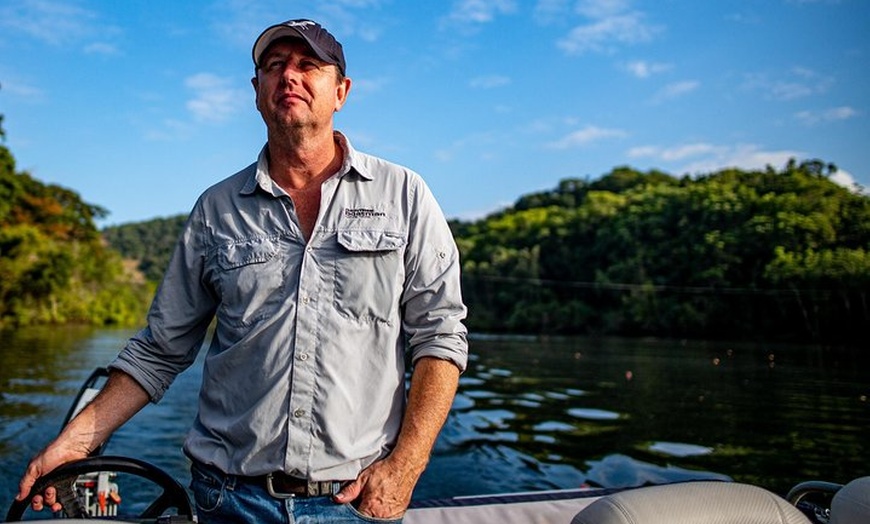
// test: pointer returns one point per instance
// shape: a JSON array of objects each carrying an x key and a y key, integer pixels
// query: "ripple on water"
[
  {"x": 593, "y": 414},
  {"x": 553, "y": 426},
  {"x": 679, "y": 449}
]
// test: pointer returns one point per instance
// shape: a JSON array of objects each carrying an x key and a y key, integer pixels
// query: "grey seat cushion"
[
  {"x": 851, "y": 504},
  {"x": 692, "y": 503}
]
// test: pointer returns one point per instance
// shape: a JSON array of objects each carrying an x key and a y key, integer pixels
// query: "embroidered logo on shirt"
[{"x": 363, "y": 213}]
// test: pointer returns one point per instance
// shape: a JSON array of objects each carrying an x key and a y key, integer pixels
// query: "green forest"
[
  {"x": 55, "y": 265},
  {"x": 773, "y": 254}
]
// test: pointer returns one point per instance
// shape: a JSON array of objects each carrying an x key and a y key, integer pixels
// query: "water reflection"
[
  {"x": 625, "y": 412},
  {"x": 622, "y": 470},
  {"x": 531, "y": 414},
  {"x": 678, "y": 449},
  {"x": 593, "y": 414}
]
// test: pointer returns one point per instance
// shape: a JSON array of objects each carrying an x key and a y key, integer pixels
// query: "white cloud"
[
  {"x": 360, "y": 4},
  {"x": 362, "y": 138},
  {"x": 473, "y": 12},
  {"x": 743, "y": 156},
  {"x": 215, "y": 99},
  {"x": 610, "y": 23},
  {"x": 709, "y": 158},
  {"x": 602, "y": 35},
  {"x": 56, "y": 23},
  {"x": 52, "y": 22},
  {"x": 20, "y": 88},
  {"x": 366, "y": 86},
  {"x": 845, "y": 179},
  {"x": 745, "y": 18},
  {"x": 834, "y": 114},
  {"x": 548, "y": 11},
  {"x": 676, "y": 90},
  {"x": 489, "y": 82},
  {"x": 101, "y": 48},
  {"x": 602, "y": 8},
  {"x": 644, "y": 69},
  {"x": 644, "y": 151},
  {"x": 676, "y": 153},
  {"x": 584, "y": 136},
  {"x": 482, "y": 144},
  {"x": 172, "y": 130},
  {"x": 789, "y": 90},
  {"x": 797, "y": 83}
]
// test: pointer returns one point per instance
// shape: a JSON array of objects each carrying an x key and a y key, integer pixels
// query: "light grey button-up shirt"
[{"x": 305, "y": 371}]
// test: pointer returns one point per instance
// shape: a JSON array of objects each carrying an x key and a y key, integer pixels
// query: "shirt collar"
[
  {"x": 353, "y": 160},
  {"x": 352, "y": 163}
]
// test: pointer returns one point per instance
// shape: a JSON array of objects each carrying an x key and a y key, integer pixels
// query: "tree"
[
  {"x": 768, "y": 253},
  {"x": 54, "y": 266}
]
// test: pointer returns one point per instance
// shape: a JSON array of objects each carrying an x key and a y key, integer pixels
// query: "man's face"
[{"x": 297, "y": 90}]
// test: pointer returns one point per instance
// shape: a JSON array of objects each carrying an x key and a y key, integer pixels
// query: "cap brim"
[{"x": 283, "y": 31}]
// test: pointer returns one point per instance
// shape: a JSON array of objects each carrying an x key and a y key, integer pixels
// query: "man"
[{"x": 323, "y": 267}]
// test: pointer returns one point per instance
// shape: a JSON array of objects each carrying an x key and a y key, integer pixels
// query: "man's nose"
[{"x": 291, "y": 72}]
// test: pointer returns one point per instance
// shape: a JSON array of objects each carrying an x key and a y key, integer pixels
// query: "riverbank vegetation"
[
  {"x": 774, "y": 254},
  {"x": 55, "y": 266},
  {"x": 769, "y": 254}
]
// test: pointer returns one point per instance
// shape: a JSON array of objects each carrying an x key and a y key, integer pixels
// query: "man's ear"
[
  {"x": 256, "y": 83},
  {"x": 342, "y": 90}
]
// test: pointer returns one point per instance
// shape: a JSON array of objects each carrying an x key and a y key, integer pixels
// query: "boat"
[{"x": 90, "y": 492}]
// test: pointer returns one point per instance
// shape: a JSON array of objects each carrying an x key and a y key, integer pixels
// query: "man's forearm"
[
  {"x": 120, "y": 399},
  {"x": 433, "y": 387}
]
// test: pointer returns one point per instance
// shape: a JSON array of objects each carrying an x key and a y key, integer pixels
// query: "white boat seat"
[
  {"x": 851, "y": 504},
  {"x": 697, "y": 502}
]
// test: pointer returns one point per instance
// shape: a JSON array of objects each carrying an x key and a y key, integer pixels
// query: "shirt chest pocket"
[
  {"x": 251, "y": 280},
  {"x": 369, "y": 274}
]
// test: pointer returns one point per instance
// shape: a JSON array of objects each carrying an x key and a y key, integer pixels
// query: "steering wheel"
[
  {"x": 814, "y": 499},
  {"x": 64, "y": 477}
]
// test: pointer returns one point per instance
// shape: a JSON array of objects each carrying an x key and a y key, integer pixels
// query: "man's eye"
[{"x": 274, "y": 65}]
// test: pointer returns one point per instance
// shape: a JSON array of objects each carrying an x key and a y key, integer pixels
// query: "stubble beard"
[{"x": 290, "y": 130}]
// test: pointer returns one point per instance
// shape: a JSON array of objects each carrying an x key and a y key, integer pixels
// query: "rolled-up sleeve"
[
  {"x": 178, "y": 318},
  {"x": 433, "y": 310}
]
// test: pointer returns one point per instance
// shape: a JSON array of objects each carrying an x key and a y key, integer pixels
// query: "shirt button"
[
  {"x": 306, "y": 299},
  {"x": 303, "y": 357},
  {"x": 299, "y": 413}
]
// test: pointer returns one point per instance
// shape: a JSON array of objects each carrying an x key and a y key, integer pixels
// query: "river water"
[{"x": 531, "y": 413}]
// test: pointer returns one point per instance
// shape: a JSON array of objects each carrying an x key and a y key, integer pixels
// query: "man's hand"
[
  {"x": 53, "y": 456},
  {"x": 382, "y": 490},
  {"x": 120, "y": 399}
]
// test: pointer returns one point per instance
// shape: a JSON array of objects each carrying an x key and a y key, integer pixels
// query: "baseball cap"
[{"x": 324, "y": 45}]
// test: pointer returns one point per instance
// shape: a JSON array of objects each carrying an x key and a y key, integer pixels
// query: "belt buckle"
[{"x": 271, "y": 489}]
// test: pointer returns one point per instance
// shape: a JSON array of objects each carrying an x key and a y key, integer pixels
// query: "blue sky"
[{"x": 139, "y": 105}]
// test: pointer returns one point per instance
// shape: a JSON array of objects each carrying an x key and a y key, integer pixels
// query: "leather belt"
[{"x": 283, "y": 486}]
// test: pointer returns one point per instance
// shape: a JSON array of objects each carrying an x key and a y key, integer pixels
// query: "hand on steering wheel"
[{"x": 63, "y": 479}]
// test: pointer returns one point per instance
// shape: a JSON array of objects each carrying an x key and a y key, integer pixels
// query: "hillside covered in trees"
[
  {"x": 774, "y": 254},
  {"x": 55, "y": 266},
  {"x": 149, "y": 243},
  {"x": 771, "y": 254}
]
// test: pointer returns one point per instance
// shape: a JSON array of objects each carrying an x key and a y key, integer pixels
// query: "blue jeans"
[{"x": 226, "y": 499}]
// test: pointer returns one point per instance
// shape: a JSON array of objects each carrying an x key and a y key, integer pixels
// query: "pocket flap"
[
  {"x": 247, "y": 252},
  {"x": 370, "y": 240}
]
